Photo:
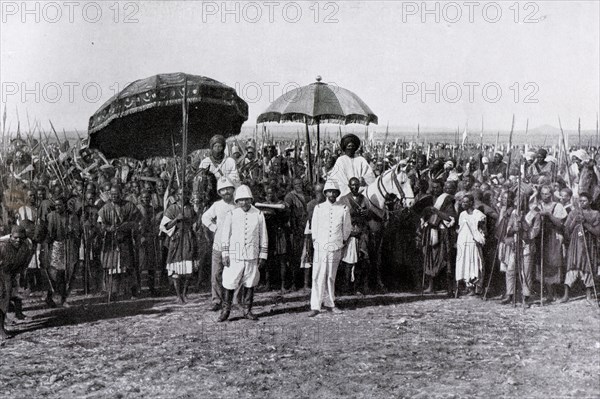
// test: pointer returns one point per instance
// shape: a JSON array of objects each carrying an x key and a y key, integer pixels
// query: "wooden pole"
[
  {"x": 318, "y": 160},
  {"x": 512, "y": 129},
  {"x": 579, "y": 131},
  {"x": 566, "y": 152},
  {"x": 309, "y": 156}
]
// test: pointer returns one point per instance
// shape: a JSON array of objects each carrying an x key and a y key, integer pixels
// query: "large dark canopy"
[{"x": 145, "y": 118}]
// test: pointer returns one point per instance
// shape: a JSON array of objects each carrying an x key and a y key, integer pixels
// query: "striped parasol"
[{"x": 318, "y": 103}]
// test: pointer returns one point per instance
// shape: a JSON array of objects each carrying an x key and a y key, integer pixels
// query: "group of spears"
[{"x": 254, "y": 216}]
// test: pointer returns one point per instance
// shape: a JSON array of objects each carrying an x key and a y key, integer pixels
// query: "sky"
[{"x": 434, "y": 64}]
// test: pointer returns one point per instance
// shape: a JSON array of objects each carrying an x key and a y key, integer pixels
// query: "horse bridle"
[{"x": 383, "y": 191}]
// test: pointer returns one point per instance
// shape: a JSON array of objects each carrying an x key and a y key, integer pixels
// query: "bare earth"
[{"x": 383, "y": 346}]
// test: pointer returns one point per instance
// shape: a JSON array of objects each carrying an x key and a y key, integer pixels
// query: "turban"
[
  {"x": 542, "y": 152},
  {"x": 350, "y": 138},
  {"x": 529, "y": 155},
  {"x": 581, "y": 154},
  {"x": 217, "y": 138},
  {"x": 449, "y": 164},
  {"x": 485, "y": 160},
  {"x": 499, "y": 153}
]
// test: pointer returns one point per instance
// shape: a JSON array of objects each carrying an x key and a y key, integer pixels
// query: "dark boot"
[
  {"x": 49, "y": 301},
  {"x": 565, "y": 297},
  {"x": 3, "y": 333},
  {"x": 226, "y": 308},
  {"x": 248, "y": 300},
  {"x": 19, "y": 309},
  {"x": 348, "y": 278}
]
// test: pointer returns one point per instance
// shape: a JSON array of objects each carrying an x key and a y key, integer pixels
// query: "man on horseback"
[{"x": 351, "y": 165}]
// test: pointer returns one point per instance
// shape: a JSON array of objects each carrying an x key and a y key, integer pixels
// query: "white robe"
[
  {"x": 346, "y": 168},
  {"x": 469, "y": 257}
]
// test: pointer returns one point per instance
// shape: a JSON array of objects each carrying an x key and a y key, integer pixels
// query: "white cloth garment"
[
  {"x": 331, "y": 227},
  {"x": 213, "y": 219}
]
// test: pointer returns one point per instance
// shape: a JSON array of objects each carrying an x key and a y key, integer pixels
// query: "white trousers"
[
  {"x": 240, "y": 272},
  {"x": 325, "y": 265}
]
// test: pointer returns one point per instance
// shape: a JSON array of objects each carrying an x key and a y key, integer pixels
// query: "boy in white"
[
  {"x": 213, "y": 219},
  {"x": 244, "y": 249},
  {"x": 331, "y": 228}
]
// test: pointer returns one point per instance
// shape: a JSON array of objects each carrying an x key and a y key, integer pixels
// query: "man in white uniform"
[
  {"x": 213, "y": 220},
  {"x": 245, "y": 248},
  {"x": 331, "y": 227}
]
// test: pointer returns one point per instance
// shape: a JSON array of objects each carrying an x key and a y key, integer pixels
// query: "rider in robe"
[
  {"x": 217, "y": 163},
  {"x": 351, "y": 165}
]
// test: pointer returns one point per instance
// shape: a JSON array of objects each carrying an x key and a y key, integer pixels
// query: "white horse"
[{"x": 393, "y": 181}]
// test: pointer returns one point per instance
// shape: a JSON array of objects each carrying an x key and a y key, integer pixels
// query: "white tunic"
[
  {"x": 213, "y": 219},
  {"x": 469, "y": 257},
  {"x": 331, "y": 226},
  {"x": 244, "y": 235},
  {"x": 244, "y": 241},
  {"x": 227, "y": 168}
]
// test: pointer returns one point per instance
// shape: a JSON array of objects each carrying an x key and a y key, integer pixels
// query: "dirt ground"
[{"x": 383, "y": 346}]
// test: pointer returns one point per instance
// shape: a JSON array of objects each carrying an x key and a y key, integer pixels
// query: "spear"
[
  {"x": 54, "y": 130},
  {"x": 4, "y": 131},
  {"x": 18, "y": 123},
  {"x": 512, "y": 129},
  {"x": 481, "y": 135},
  {"x": 597, "y": 130},
  {"x": 54, "y": 166},
  {"x": 579, "y": 131},
  {"x": 387, "y": 132},
  {"x": 566, "y": 152}
]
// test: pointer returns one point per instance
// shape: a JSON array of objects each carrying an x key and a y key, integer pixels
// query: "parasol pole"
[
  {"x": 318, "y": 160},
  {"x": 310, "y": 167}
]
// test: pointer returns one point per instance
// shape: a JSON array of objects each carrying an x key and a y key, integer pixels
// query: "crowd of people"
[{"x": 242, "y": 217}]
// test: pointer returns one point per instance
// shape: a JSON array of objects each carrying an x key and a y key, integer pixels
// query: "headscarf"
[{"x": 581, "y": 154}]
